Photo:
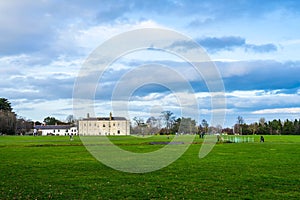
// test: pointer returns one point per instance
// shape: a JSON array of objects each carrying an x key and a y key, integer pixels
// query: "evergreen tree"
[{"x": 5, "y": 105}]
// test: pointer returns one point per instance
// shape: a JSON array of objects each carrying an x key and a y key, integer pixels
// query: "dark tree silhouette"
[{"x": 5, "y": 105}]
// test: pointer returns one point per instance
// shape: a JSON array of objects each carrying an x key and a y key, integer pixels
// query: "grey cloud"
[
  {"x": 32, "y": 88},
  {"x": 211, "y": 44},
  {"x": 265, "y": 48},
  {"x": 223, "y": 43},
  {"x": 261, "y": 75},
  {"x": 226, "y": 43}
]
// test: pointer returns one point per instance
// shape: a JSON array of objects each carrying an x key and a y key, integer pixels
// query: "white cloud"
[
  {"x": 260, "y": 98},
  {"x": 90, "y": 38},
  {"x": 230, "y": 69},
  {"x": 39, "y": 109},
  {"x": 294, "y": 110}
]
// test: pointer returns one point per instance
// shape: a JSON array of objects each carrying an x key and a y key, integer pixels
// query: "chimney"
[
  {"x": 88, "y": 115},
  {"x": 110, "y": 116}
]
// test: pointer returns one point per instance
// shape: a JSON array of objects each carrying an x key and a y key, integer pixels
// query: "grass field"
[{"x": 54, "y": 167}]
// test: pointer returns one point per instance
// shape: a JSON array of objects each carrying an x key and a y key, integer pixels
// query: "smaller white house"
[{"x": 62, "y": 130}]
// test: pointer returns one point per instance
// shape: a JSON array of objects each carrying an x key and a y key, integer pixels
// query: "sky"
[{"x": 255, "y": 45}]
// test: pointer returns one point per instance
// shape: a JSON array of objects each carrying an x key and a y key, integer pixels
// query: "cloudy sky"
[{"x": 254, "y": 44}]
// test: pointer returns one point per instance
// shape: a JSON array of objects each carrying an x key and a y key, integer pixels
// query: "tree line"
[
  {"x": 167, "y": 123},
  {"x": 263, "y": 127}
]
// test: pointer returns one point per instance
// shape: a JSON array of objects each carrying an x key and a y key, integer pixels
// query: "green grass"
[{"x": 57, "y": 168}]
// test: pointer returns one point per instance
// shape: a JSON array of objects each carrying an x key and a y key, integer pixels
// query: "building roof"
[
  {"x": 53, "y": 127},
  {"x": 104, "y": 119}
]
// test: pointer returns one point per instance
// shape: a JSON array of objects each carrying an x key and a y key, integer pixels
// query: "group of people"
[{"x": 201, "y": 134}]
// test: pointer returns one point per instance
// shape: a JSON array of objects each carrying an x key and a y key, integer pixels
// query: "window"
[
  {"x": 119, "y": 132},
  {"x": 103, "y": 125}
]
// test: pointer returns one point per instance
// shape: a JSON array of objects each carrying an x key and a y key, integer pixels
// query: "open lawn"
[{"x": 53, "y": 167}]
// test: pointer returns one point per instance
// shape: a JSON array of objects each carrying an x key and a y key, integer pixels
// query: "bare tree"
[
  {"x": 153, "y": 125},
  {"x": 23, "y": 125},
  {"x": 70, "y": 119},
  {"x": 253, "y": 127},
  {"x": 138, "y": 120},
  {"x": 169, "y": 118},
  {"x": 262, "y": 121},
  {"x": 219, "y": 128},
  {"x": 240, "y": 122}
]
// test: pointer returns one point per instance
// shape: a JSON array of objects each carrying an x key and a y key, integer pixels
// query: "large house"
[
  {"x": 96, "y": 126},
  {"x": 61, "y": 130}
]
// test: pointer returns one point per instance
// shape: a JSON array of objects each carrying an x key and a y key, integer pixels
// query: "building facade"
[
  {"x": 61, "y": 130},
  {"x": 96, "y": 126}
]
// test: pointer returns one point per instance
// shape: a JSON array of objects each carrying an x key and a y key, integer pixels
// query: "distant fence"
[{"x": 238, "y": 138}]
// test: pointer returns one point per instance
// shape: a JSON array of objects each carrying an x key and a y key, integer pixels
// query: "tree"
[
  {"x": 288, "y": 127},
  {"x": 219, "y": 128},
  {"x": 138, "y": 121},
  {"x": 262, "y": 121},
  {"x": 7, "y": 118},
  {"x": 7, "y": 122},
  {"x": 262, "y": 126},
  {"x": 70, "y": 119},
  {"x": 187, "y": 125},
  {"x": 23, "y": 126},
  {"x": 227, "y": 130},
  {"x": 169, "y": 118},
  {"x": 140, "y": 126},
  {"x": 274, "y": 127},
  {"x": 176, "y": 125},
  {"x": 37, "y": 123},
  {"x": 52, "y": 121},
  {"x": 204, "y": 125},
  {"x": 296, "y": 127},
  {"x": 5, "y": 105},
  {"x": 240, "y": 122},
  {"x": 253, "y": 127},
  {"x": 153, "y": 124},
  {"x": 280, "y": 126}
]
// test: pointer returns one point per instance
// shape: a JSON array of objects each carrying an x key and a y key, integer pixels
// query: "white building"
[
  {"x": 62, "y": 130},
  {"x": 104, "y": 126}
]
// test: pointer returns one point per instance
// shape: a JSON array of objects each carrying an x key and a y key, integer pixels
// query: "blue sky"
[{"x": 254, "y": 44}]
